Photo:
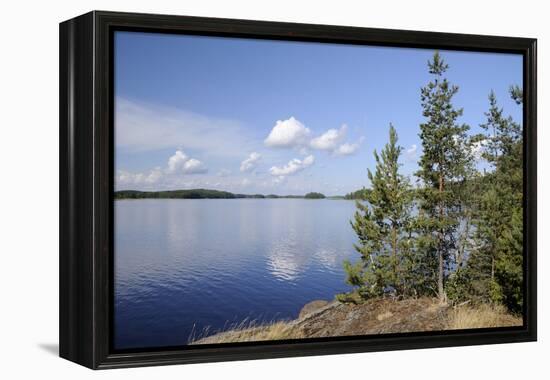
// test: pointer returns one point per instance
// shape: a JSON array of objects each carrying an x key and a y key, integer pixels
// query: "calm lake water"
[{"x": 182, "y": 266}]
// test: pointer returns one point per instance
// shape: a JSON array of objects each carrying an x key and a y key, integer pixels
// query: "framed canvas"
[{"x": 235, "y": 189}]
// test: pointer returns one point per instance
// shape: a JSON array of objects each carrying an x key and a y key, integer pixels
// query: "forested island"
[
  {"x": 210, "y": 194},
  {"x": 442, "y": 252}
]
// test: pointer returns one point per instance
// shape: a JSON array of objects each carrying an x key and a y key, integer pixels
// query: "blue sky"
[{"x": 257, "y": 116}]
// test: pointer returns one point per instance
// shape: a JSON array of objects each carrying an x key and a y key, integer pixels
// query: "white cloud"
[
  {"x": 251, "y": 162},
  {"x": 125, "y": 178},
  {"x": 180, "y": 163},
  {"x": 143, "y": 127},
  {"x": 330, "y": 139},
  {"x": 410, "y": 154},
  {"x": 194, "y": 166},
  {"x": 294, "y": 166},
  {"x": 478, "y": 147},
  {"x": 177, "y": 161},
  {"x": 287, "y": 133},
  {"x": 291, "y": 133},
  {"x": 348, "y": 148}
]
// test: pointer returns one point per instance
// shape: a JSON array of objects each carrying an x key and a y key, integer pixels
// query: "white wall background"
[{"x": 29, "y": 187}]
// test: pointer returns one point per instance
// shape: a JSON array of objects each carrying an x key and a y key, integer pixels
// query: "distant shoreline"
[{"x": 213, "y": 194}]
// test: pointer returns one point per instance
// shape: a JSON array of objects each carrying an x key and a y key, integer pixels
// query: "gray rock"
[{"x": 312, "y": 306}]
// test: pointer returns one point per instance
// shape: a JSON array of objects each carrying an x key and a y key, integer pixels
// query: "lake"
[{"x": 186, "y": 266}]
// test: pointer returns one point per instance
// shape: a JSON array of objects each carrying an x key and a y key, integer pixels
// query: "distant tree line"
[
  {"x": 360, "y": 194},
  {"x": 174, "y": 194},
  {"x": 314, "y": 195},
  {"x": 206, "y": 194},
  {"x": 458, "y": 235}
]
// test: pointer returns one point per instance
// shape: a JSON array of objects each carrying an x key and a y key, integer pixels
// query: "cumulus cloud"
[
  {"x": 288, "y": 133},
  {"x": 346, "y": 149},
  {"x": 412, "y": 150},
  {"x": 180, "y": 163},
  {"x": 410, "y": 153},
  {"x": 125, "y": 178},
  {"x": 330, "y": 139},
  {"x": 291, "y": 133},
  {"x": 478, "y": 147},
  {"x": 194, "y": 166},
  {"x": 176, "y": 161},
  {"x": 250, "y": 162},
  {"x": 294, "y": 166}
]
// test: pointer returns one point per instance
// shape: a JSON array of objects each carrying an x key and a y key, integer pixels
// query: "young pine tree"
[
  {"x": 382, "y": 225},
  {"x": 516, "y": 93},
  {"x": 445, "y": 165},
  {"x": 496, "y": 264}
]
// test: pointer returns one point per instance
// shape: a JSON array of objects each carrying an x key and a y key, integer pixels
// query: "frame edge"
[{"x": 76, "y": 274}]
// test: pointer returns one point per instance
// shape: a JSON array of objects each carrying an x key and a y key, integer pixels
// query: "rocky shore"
[{"x": 320, "y": 318}]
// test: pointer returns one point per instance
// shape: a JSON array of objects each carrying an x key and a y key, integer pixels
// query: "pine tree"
[
  {"x": 382, "y": 225},
  {"x": 445, "y": 165},
  {"x": 500, "y": 224},
  {"x": 516, "y": 93},
  {"x": 494, "y": 268}
]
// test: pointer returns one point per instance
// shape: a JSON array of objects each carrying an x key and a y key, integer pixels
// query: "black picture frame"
[{"x": 86, "y": 187}]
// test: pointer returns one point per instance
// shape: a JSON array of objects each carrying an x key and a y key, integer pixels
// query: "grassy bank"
[
  {"x": 377, "y": 316},
  {"x": 482, "y": 316}
]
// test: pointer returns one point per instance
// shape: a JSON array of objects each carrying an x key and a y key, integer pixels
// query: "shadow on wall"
[{"x": 52, "y": 348}]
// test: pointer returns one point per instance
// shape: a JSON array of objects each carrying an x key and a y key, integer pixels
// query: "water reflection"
[
  {"x": 207, "y": 262},
  {"x": 284, "y": 262},
  {"x": 328, "y": 258}
]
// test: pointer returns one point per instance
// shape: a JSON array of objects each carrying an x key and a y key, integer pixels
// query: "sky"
[{"x": 279, "y": 117}]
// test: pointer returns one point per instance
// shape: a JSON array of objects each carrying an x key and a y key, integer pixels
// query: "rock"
[
  {"x": 320, "y": 319},
  {"x": 310, "y": 307}
]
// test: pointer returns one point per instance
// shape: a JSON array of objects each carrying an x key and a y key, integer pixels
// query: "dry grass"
[
  {"x": 466, "y": 317},
  {"x": 251, "y": 331},
  {"x": 374, "y": 317},
  {"x": 384, "y": 315},
  {"x": 435, "y": 305}
]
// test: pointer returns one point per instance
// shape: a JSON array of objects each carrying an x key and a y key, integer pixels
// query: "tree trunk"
[
  {"x": 440, "y": 291},
  {"x": 394, "y": 242},
  {"x": 440, "y": 278}
]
